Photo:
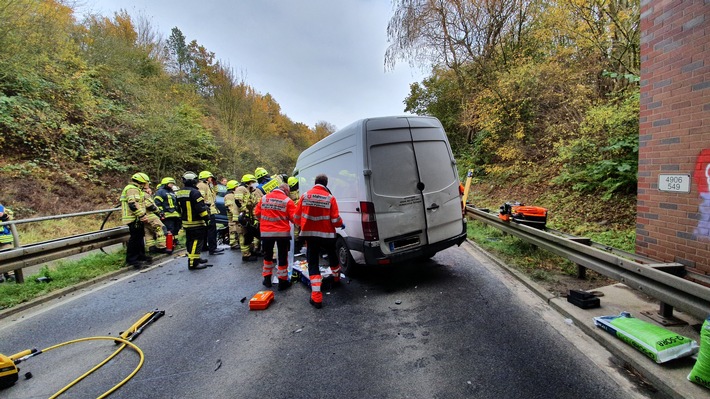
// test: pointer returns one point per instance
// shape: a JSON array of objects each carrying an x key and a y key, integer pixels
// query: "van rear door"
[{"x": 413, "y": 183}]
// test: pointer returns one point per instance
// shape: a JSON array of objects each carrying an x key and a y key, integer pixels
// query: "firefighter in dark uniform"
[
  {"x": 195, "y": 216},
  {"x": 166, "y": 200},
  {"x": 266, "y": 183},
  {"x": 6, "y": 239}
]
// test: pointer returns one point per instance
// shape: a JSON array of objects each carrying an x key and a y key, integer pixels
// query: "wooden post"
[{"x": 467, "y": 187}]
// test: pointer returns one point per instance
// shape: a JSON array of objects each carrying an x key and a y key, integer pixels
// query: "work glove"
[
  {"x": 342, "y": 226},
  {"x": 4, "y": 217}
]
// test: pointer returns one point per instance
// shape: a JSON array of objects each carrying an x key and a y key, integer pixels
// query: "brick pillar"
[{"x": 672, "y": 224}]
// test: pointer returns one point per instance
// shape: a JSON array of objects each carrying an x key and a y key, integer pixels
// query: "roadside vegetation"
[{"x": 64, "y": 274}]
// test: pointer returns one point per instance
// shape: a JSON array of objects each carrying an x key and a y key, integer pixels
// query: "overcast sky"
[{"x": 321, "y": 60}]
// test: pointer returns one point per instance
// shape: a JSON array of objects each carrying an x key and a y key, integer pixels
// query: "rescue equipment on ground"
[
  {"x": 9, "y": 370},
  {"x": 299, "y": 272},
  {"x": 261, "y": 300},
  {"x": 654, "y": 341},
  {"x": 169, "y": 241},
  {"x": 533, "y": 216},
  {"x": 700, "y": 374},
  {"x": 583, "y": 299}
]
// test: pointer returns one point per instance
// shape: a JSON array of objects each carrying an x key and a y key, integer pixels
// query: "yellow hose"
[{"x": 113, "y": 339}]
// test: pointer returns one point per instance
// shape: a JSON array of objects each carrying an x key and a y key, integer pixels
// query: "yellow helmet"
[
  {"x": 205, "y": 174},
  {"x": 167, "y": 180},
  {"x": 260, "y": 172},
  {"x": 140, "y": 178},
  {"x": 232, "y": 184},
  {"x": 292, "y": 182},
  {"x": 247, "y": 178}
]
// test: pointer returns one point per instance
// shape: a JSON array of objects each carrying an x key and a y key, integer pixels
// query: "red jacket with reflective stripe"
[
  {"x": 317, "y": 213},
  {"x": 274, "y": 212}
]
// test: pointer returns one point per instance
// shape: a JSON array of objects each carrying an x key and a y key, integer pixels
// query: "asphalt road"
[{"x": 453, "y": 327}]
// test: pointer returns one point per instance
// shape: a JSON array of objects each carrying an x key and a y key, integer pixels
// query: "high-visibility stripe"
[
  {"x": 275, "y": 234},
  {"x": 193, "y": 251},
  {"x": 316, "y": 281},
  {"x": 276, "y": 219},
  {"x": 317, "y": 234},
  {"x": 282, "y": 272},
  {"x": 316, "y": 218},
  {"x": 268, "y": 268}
]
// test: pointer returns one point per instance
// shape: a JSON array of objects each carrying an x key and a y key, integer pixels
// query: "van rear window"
[
  {"x": 435, "y": 167},
  {"x": 392, "y": 166}
]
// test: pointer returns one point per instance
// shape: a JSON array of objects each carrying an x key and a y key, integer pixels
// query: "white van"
[{"x": 397, "y": 188}]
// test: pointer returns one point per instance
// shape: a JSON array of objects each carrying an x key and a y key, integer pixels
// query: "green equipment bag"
[
  {"x": 656, "y": 342},
  {"x": 700, "y": 374}
]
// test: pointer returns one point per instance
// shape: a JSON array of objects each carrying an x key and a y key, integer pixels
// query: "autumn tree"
[{"x": 522, "y": 80}]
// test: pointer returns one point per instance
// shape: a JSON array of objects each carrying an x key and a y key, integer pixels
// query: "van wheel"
[{"x": 347, "y": 263}]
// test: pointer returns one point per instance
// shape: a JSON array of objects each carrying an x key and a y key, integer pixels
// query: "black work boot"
[
  {"x": 196, "y": 265},
  {"x": 284, "y": 285},
  {"x": 267, "y": 281},
  {"x": 315, "y": 304}
]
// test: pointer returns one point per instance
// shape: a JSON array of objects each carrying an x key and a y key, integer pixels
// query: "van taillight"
[{"x": 369, "y": 222}]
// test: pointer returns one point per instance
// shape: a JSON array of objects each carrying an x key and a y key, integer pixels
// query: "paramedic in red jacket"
[
  {"x": 275, "y": 210},
  {"x": 317, "y": 214}
]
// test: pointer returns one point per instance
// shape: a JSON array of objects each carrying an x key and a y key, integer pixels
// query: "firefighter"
[
  {"x": 266, "y": 182},
  {"x": 246, "y": 201},
  {"x": 207, "y": 189},
  {"x": 6, "y": 240},
  {"x": 317, "y": 213},
  {"x": 195, "y": 215},
  {"x": 294, "y": 195},
  {"x": 155, "y": 230},
  {"x": 134, "y": 216},
  {"x": 275, "y": 210},
  {"x": 230, "y": 203},
  {"x": 166, "y": 200}
]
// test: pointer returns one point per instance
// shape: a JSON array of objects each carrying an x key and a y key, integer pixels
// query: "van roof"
[{"x": 375, "y": 123}]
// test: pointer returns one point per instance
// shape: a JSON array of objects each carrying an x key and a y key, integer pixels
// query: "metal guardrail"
[
  {"x": 656, "y": 279},
  {"x": 37, "y": 253}
]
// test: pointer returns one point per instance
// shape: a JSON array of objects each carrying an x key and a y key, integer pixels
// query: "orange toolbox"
[{"x": 261, "y": 300}]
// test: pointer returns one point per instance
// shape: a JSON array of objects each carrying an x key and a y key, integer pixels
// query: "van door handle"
[{"x": 433, "y": 206}]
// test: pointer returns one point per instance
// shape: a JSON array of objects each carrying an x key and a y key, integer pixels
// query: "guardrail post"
[
  {"x": 19, "y": 276},
  {"x": 581, "y": 270},
  {"x": 665, "y": 312}
]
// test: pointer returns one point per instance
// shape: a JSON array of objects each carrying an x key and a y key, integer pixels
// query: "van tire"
[{"x": 347, "y": 263}]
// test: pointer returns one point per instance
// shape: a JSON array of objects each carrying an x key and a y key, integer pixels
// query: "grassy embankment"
[
  {"x": 62, "y": 273},
  {"x": 611, "y": 223}
]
